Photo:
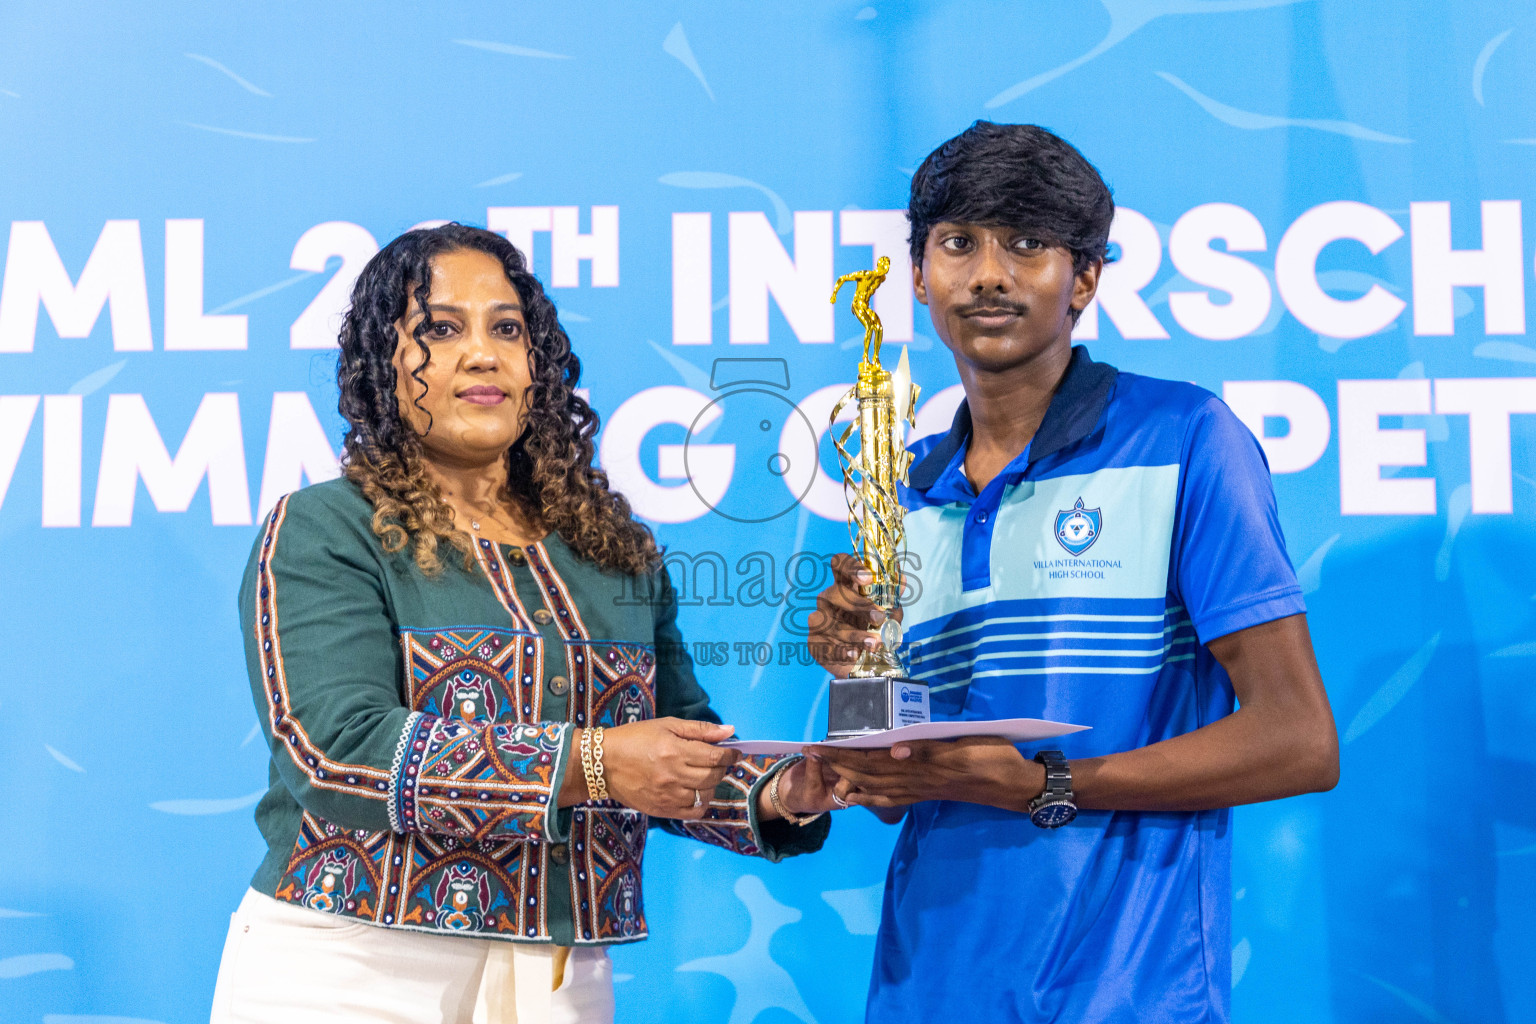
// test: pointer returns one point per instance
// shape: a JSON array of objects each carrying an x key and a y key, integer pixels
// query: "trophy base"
[{"x": 860, "y": 706}]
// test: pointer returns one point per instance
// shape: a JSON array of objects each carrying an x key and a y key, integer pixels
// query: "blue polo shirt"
[{"x": 1080, "y": 585}]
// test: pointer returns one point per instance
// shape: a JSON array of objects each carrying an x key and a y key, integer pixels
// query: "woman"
[{"x": 466, "y": 659}]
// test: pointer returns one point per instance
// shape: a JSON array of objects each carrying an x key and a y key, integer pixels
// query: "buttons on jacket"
[
  {"x": 559, "y": 685},
  {"x": 542, "y": 617},
  {"x": 560, "y": 853},
  {"x": 516, "y": 557}
]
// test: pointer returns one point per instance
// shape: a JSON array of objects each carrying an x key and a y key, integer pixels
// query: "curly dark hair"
[
  {"x": 549, "y": 468},
  {"x": 1019, "y": 175}
]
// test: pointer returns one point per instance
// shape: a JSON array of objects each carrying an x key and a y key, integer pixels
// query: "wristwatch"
[{"x": 1054, "y": 807}]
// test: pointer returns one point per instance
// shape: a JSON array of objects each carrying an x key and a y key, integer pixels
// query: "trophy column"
[{"x": 876, "y": 695}]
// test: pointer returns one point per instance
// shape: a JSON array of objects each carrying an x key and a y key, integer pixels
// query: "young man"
[{"x": 1093, "y": 547}]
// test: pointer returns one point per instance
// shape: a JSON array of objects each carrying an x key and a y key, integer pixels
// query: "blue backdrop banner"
[{"x": 1321, "y": 219}]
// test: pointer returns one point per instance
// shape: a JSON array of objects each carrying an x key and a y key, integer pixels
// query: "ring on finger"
[
  {"x": 839, "y": 800},
  {"x": 698, "y": 801}
]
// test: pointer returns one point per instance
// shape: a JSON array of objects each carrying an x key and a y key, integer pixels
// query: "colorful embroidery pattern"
[
  {"x": 425, "y": 883},
  {"x": 611, "y": 684},
  {"x": 622, "y": 687},
  {"x": 477, "y": 781},
  {"x": 607, "y": 845},
  {"x": 477, "y": 675},
  {"x": 337, "y": 871},
  {"x": 475, "y": 887}
]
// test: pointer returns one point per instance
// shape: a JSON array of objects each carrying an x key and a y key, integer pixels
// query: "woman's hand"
[
  {"x": 665, "y": 766},
  {"x": 805, "y": 787}
]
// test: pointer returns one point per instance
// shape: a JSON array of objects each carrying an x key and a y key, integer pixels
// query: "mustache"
[{"x": 992, "y": 306}]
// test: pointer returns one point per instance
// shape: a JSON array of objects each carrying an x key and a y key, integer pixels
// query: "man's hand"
[
  {"x": 978, "y": 770},
  {"x": 844, "y": 616}
]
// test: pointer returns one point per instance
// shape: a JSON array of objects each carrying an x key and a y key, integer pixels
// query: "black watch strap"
[{"x": 1058, "y": 776}]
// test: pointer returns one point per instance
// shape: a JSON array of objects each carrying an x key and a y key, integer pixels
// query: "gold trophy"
[{"x": 876, "y": 695}]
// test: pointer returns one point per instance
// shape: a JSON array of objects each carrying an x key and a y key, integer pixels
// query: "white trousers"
[{"x": 285, "y": 964}]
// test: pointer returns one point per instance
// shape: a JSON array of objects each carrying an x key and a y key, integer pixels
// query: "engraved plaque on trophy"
[{"x": 876, "y": 695}]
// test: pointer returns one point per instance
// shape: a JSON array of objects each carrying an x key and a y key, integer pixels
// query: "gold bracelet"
[
  {"x": 586, "y": 764},
  {"x": 598, "y": 784},
  {"x": 778, "y": 802}
]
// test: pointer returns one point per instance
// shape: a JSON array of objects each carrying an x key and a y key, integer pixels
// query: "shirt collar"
[{"x": 1075, "y": 409}]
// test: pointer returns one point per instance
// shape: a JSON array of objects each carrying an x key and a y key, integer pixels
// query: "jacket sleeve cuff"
[
  {"x": 778, "y": 838},
  {"x": 478, "y": 781},
  {"x": 731, "y": 821},
  {"x": 557, "y": 819}
]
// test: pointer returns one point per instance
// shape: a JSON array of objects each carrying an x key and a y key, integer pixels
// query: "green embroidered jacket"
[{"x": 421, "y": 728}]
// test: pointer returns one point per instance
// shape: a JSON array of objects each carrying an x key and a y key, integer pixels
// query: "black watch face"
[{"x": 1053, "y": 815}]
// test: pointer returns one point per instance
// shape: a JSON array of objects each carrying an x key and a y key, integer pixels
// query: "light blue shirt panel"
[{"x": 1136, "y": 504}]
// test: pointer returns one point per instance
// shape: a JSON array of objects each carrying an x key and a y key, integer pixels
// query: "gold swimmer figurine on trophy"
[{"x": 876, "y": 695}]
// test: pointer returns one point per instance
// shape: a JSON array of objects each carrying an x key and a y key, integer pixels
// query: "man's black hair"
[{"x": 1014, "y": 175}]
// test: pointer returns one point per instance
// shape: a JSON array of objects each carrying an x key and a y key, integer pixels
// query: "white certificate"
[{"x": 1015, "y": 730}]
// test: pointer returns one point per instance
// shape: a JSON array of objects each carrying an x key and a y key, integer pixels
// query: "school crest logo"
[{"x": 1077, "y": 528}]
